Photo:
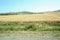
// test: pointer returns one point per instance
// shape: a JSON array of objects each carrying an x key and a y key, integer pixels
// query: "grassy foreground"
[
  {"x": 29, "y": 26},
  {"x": 31, "y": 33},
  {"x": 35, "y": 29}
]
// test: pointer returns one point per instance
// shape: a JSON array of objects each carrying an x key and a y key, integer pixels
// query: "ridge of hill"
[{"x": 27, "y": 12}]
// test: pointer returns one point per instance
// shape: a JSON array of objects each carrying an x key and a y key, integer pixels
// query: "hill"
[
  {"x": 57, "y": 11},
  {"x": 16, "y": 13}
]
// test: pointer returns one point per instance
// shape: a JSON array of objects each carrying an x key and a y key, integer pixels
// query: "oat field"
[
  {"x": 49, "y": 22},
  {"x": 31, "y": 17}
]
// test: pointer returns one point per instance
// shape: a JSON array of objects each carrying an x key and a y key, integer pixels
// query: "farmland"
[
  {"x": 31, "y": 23},
  {"x": 31, "y": 17}
]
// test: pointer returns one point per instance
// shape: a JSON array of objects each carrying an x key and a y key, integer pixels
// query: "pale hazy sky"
[{"x": 29, "y": 5}]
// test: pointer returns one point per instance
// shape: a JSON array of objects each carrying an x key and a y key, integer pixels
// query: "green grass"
[
  {"x": 28, "y": 26},
  {"x": 35, "y": 29}
]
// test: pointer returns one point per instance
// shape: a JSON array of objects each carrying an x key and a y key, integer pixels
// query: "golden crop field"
[{"x": 31, "y": 17}]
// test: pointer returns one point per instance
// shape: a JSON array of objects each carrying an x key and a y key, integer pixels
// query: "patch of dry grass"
[{"x": 31, "y": 17}]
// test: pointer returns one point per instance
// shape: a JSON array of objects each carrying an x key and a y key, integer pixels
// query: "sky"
[{"x": 28, "y": 5}]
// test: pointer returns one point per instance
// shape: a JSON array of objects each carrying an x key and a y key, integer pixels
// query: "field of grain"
[
  {"x": 31, "y": 17},
  {"x": 29, "y": 23}
]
